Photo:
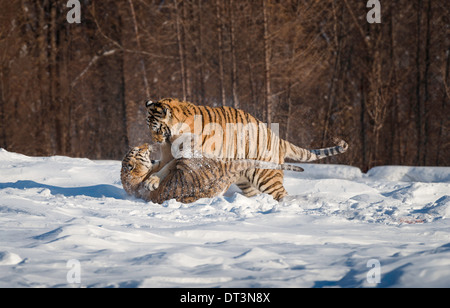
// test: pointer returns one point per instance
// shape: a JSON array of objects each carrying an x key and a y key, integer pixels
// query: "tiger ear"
[{"x": 149, "y": 104}]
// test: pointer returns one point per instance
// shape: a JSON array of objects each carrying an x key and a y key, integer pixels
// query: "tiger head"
[
  {"x": 158, "y": 117},
  {"x": 137, "y": 164},
  {"x": 169, "y": 118}
]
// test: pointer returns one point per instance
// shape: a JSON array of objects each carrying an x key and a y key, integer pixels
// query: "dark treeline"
[{"x": 317, "y": 68}]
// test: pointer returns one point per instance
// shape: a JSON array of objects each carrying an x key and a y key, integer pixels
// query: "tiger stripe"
[
  {"x": 190, "y": 180},
  {"x": 249, "y": 138}
]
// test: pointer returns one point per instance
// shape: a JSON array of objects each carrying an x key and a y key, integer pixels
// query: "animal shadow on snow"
[{"x": 95, "y": 191}]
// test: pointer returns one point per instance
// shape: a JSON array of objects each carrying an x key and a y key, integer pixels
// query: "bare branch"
[{"x": 90, "y": 64}]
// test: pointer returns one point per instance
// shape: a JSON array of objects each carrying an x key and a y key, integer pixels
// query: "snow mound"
[
  {"x": 335, "y": 219},
  {"x": 411, "y": 174},
  {"x": 9, "y": 258}
]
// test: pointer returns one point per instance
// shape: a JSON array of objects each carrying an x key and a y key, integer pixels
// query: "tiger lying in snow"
[{"x": 190, "y": 178}]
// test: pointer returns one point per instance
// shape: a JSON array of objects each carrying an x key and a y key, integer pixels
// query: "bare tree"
[
  {"x": 200, "y": 51},
  {"x": 181, "y": 51},
  {"x": 139, "y": 48},
  {"x": 234, "y": 73},
  {"x": 267, "y": 71},
  {"x": 220, "y": 51}
]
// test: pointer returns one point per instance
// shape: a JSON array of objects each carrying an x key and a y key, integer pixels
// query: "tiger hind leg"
[
  {"x": 247, "y": 188},
  {"x": 268, "y": 182}
]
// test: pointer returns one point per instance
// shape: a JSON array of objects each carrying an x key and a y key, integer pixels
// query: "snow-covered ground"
[{"x": 64, "y": 218}]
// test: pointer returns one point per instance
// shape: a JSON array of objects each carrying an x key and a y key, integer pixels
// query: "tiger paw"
[{"x": 152, "y": 183}]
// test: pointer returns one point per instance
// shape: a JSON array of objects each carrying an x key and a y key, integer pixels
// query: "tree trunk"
[
  {"x": 267, "y": 72},
  {"x": 419, "y": 108},
  {"x": 220, "y": 47},
  {"x": 180, "y": 50},
  {"x": 288, "y": 120},
  {"x": 187, "y": 71},
  {"x": 444, "y": 117},
  {"x": 3, "y": 143},
  {"x": 394, "y": 141},
  {"x": 42, "y": 136},
  {"x": 362, "y": 121},
  {"x": 57, "y": 129},
  {"x": 200, "y": 55},
  {"x": 338, "y": 49},
  {"x": 425, "y": 82},
  {"x": 138, "y": 42},
  {"x": 123, "y": 104},
  {"x": 233, "y": 57},
  {"x": 251, "y": 82}
]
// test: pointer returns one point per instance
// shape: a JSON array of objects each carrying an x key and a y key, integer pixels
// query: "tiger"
[
  {"x": 227, "y": 133},
  {"x": 191, "y": 178}
]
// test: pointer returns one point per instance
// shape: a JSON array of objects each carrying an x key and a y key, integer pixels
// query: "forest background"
[{"x": 318, "y": 68}]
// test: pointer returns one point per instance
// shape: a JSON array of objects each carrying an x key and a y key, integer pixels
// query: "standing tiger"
[
  {"x": 227, "y": 133},
  {"x": 190, "y": 178}
]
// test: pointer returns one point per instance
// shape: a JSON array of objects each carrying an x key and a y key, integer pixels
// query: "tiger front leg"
[{"x": 153, "y": 181}]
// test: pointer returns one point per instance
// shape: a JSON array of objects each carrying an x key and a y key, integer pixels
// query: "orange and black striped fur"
[
  {"x": 229, "y": 133},
  {"x": 189, "y": 179}
]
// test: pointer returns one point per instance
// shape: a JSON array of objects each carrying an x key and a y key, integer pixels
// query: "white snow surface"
[{"x": 325, "y": 234}]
